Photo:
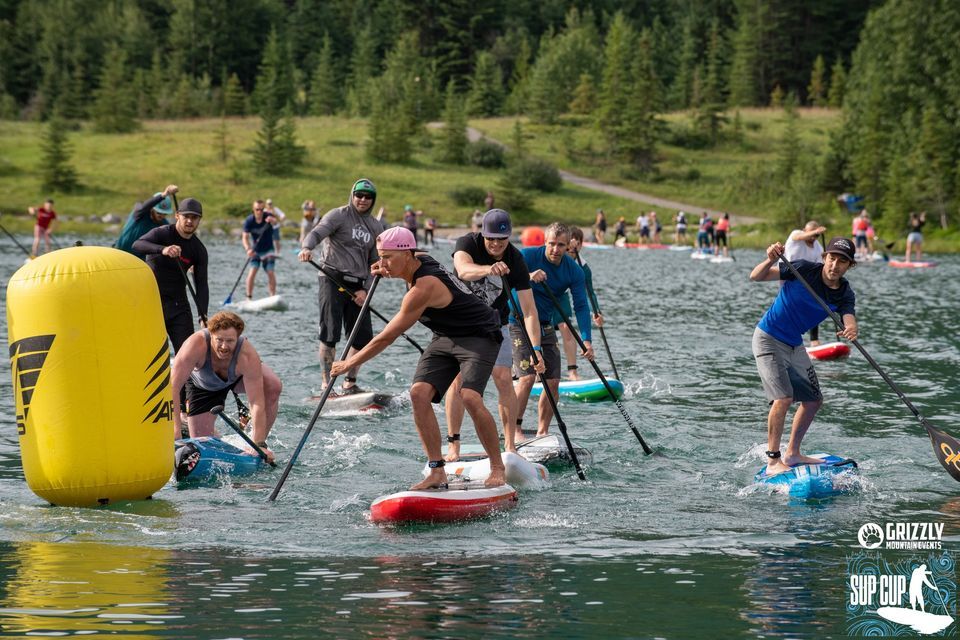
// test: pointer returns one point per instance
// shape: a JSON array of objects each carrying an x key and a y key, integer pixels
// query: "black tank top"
[{"x": 466, "y": 315}]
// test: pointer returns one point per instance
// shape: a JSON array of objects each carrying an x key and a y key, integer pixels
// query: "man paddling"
[
  {"x": 492, "y": 268},
  {"x": 569, "y": 342},
  {"x": 347, "y": 238},
  {"x": 785, "y": 368},
  {"x": 466, "y": 340},
  {"x": 259, "y": 244},
  {"x": 171, "y": 250},
  {"x": 549, "y": 266},
  {"x": 144, "y": 218},
  {"x": 214, "y": 361}
]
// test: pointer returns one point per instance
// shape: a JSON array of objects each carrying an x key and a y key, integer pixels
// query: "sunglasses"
[
  {"x": 257, "y": 210},
  {"x": 359, "y": 195}
]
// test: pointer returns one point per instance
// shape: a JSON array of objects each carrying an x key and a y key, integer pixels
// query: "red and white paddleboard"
[
  {"x": 902, "y": 264},
  {"x": 461, "y": 501},
  {"x": 829, "y": 351}
]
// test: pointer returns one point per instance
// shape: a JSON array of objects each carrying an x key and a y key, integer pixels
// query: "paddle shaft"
[
  {"x": 15, "y": 241},
  {"x": 934, "y": 433},
  {"x": 326, "y": 392},
  {"x": 218, "y": 410},
  {"x": 591, "y": 296},
  {"x": 346, "y": 291},
  {"x": 626, "y": 416},
  {"x": 229, "y": 297},
  {"x": 193, "y": 292},
  {"x": 546, "y": 389}
]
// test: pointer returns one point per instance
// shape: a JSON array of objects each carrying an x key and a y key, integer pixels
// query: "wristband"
[{"x": 538, "y": 348}]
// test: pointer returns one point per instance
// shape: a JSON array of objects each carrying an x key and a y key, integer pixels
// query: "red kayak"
[
  {"x": 460, "y": 501},
  {"x": 829, "y": 351},
  {"x": 902, "y": 264}
]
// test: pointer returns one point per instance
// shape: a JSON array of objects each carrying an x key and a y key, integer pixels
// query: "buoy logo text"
[
  {"x": 160, "y": 403},
  {"x": 26, "y": 360}
]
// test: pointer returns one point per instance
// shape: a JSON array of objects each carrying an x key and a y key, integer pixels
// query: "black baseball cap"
[
  {"x": 496, "y": 224},
  {"x": 842, "y": 247},
  {"x": 190, "y": 205}
]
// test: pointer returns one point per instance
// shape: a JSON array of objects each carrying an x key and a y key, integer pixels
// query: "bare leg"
[
  {"x": 801, "y": 422},
  {"x": 251, "y": 276},
  {"x": 272, "y": 283},
  {"x": 487, "y": 433},
  {"x": 545, "y": 409},
  {"x": 569, "y": 351},
  {"x": 775, "y": 419},
  {"x": 523, "y": 387},
  {"x": 909, "y": 247},
  {"x": 327, "y": 356},
  {"x": 352, "y": 373},
  {"x": 507, "y": 406},
  {"x": 202, "y": 425},
  {"x": 272, "y": 387},
  {"x": 454, "y": 410},
  {"x": 919, "y": 251},
  {"x": 421, "y": 395},
  {"x": 36, "y": 241}
]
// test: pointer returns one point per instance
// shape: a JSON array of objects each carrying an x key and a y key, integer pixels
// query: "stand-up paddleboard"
[
  {"x": 458, "y": 501},
  {"x": 829, "y": 351},
  {"x": 814, "y": 481},
  {"x": 903, "y": 264},
  {"x": 519, "y": 472},
  {"x": 359, "y": 402},
  {"x": 205, "y": 459},
  {"x": 589, "y": 390},
  {"x": 721, "y": 259},
  {"x": 680, "y": 247},
  {"x": 548, "y": 449},
  {"x": 270, "y": 303},
  {"x": 597, "y": 245},
  {"x": 701, "y": 255},
  {"x": 639, "y": 245}
]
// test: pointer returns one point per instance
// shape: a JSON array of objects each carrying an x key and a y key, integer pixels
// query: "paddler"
[
  {"x": 492, "y": 268},
  {"x": 145, "y": 217},
  {"x": 171, "y": 250},
  {"x": 569, "y": 343},
  {"x": 466, "y": 341},
  {"x": 550, "y": 266},
  {"x": 347, "y": 238},
  {"x": 260, "y": 247},
  {"x": 785, "y": 369},
  {"x": 215, "y": 361}
]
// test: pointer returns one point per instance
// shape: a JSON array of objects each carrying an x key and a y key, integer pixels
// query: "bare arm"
[
  {"x": 191, "y": 355},
  {"x": 764, "y": 272},
  {"x": 469, "y": 271},
  {"x": 802, "y": 235},
  {"x": 250, "y": 367},
  {"x": 850, "y": 327}
]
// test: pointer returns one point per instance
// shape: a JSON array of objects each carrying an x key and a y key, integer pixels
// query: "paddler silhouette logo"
[
  {"x": 26, "y": 360},
  {"x": 161, "y": 404}
]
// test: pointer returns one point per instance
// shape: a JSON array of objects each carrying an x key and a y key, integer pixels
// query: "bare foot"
[
  {"x": 814, "y": 343},
  {"x": 573, "y": 375},
  {"x": 776, "y": 468},
  {"x": 436, "y": 479},
  {"x": 512, "y": 448},
  {"x": 496, "y": 478},
  {"x": 800, "y": 459},
  {"x": 453, "y": 452},
  {"x": 541, "y": 433}
]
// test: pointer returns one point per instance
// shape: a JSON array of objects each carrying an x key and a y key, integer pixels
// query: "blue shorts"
[{"x": 267, "y": 260}]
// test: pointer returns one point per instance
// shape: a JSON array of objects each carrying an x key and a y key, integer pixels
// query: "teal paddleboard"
[
  {"x": 591, "y": 390},
  {"x": 815, "y": 481}
]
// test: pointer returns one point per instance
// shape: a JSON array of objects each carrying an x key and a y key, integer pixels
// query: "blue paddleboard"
[
  {"x": 205, "y": 459},
  {"x": 814, "y": 481},
  {"x": 589, "y": 390}
]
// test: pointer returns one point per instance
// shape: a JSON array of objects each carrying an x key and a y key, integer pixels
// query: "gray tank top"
[{"x": 206, "y": 378}]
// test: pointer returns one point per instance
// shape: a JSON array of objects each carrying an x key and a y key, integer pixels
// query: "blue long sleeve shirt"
[{"x": 566, "y": 276}]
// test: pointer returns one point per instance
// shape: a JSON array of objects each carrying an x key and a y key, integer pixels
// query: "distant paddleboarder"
[
  {"x": 785, "y": 368},
  {"x": 804, "y": 244},
  {"x": 145, "y": 217},
  {"x": 466, "y": 340}
]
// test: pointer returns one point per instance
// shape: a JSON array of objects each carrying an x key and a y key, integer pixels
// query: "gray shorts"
[
  {"x": 505, "y": 357},
  {"x": 915, "y": 237},
  {"x": 472, "y": 357},
  {"x": 786, "y": 372},
  {"x": 521, "y": 353}
]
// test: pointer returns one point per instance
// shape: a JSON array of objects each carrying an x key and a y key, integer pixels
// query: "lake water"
[{"x": 675, "y": 545}]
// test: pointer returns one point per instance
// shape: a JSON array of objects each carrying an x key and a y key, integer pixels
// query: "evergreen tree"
[
  {"x": 617, "y": 80},
  {"x": 776, "y": 97},
  {"x": 640, "y": 128},
  {"x": 561, "y": 60},
  {"x": 291, "y": 154},
  {"x": 584, "y": 96},
  {"x": 276, "y": 151},
  {"x": 838, "y": 81},
  {"x": 161, "y": 99},
  {"x": 234, "y": 99},
  {"x": 520, "y": 80},
  {"x": 744, "y": 83},
  {"x": 453, "y": 146},
  {"x": 72, "y": 103},
  {"x": 364, "y": 71},
  {"x": 274, "y": 90},
  {"x": 324, "y": 99},
  {"x": 58, "y": 174},
  {"x": 182, "y": 104},
  {"x": 486, "y": 95},
  {"x": 115, "y": 106},
  {"x": 146, "y": 100},
  {"x": 932, "y": 162},
  {"x": 710, "y": 117},
  {"x": 817, "y": 89},
  {"x": 788, "y": 156},
  {"x": 681, "y": 93}
]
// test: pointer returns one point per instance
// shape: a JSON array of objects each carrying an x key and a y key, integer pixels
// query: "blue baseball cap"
[{"x": 496, "y": 224}]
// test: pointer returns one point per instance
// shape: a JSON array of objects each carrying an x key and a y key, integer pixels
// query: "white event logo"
[
  {"x": 903, "y": 536},
  {"x": 889, "y": 591}
]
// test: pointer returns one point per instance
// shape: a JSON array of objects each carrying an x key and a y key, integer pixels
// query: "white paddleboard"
[
  {"x": 270, "y": 303},
  {"x": 520, "y": 472}
]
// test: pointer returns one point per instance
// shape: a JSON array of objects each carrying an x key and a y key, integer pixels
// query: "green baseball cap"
[{"x": 365, "y": 186}]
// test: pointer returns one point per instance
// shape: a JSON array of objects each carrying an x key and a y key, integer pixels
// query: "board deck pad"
[{"x": 815, "y": 481}]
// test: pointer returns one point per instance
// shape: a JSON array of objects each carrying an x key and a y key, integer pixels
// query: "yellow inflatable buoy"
[{"x": 91, "y": 376}]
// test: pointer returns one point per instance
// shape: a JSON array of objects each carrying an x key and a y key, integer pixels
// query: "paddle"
[
  {"x": 326, "y": 391},
  {"x": 546, "y": 389},
  {"x": 591, "y": 296},
  {"x": 15, "y": 241},
  {"x": 945, "y": 446},
  {"x": 193, "y": 293},
  {"x": 218, "y": 411},
  {"x": 343, "y": 289},
  {"x": 603, "y": 379},
  {"x": 229, "y": 297}
]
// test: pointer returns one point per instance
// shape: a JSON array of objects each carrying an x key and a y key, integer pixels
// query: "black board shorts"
[
  {"x": 200, "y": 400},
  {"x": 337, "y": 309},
  {"x": 445, "y": 357}
]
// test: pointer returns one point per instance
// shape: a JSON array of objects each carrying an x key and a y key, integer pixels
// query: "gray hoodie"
[{"x": 347, "y": 239}]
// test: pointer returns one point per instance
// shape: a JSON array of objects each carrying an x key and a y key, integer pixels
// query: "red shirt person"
[{"x": 45, "y": 217}]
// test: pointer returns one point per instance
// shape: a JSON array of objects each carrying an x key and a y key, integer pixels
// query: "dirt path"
[{"x": 595, "y": 185}]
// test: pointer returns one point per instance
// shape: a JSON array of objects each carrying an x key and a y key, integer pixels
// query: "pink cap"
[{"x": 397, "y": 239}]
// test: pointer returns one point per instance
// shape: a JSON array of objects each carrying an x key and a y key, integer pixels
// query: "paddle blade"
[
  {"x": 228, "y": 300},
  {"x": 947, "y": 450}
]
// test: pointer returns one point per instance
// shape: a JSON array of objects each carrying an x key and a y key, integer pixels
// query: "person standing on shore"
[{"x": 45, "y": 216}]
